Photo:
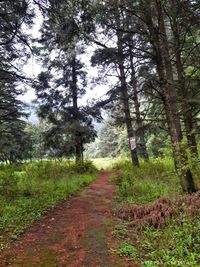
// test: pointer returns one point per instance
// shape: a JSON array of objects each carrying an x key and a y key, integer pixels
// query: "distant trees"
[
  {"x": 111, "y": 141},
  {"x": 36, "y": 148}
]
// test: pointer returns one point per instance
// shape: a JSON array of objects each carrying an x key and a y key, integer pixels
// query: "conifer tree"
[
  {"x": 15, "y": 16},
  {"x": 63, "y": 82}
]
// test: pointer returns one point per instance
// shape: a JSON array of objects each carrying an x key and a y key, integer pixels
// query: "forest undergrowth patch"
[
  {"x": 29, "y": 190},
  {"x": 154, "y": 218}
]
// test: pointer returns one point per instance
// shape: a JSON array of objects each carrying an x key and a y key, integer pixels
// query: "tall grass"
[
  {"x": 152, "y": 180},
  {"x": 27, "y": 194}
]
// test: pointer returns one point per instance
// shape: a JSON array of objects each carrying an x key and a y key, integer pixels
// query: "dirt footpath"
[{"x": 76, "y": 233}]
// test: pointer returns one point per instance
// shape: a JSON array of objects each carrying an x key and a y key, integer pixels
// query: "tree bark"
[
  {"x": 171, "y": 108},
  {"x": 124, "y": 94},
  {"x": 78, "y": 143},
  {"x": 127, "y": 116},
  {"x": 140, "y": 133},
  {"x": 186, "y": 109},
  {"x": 159, "y": 42}
]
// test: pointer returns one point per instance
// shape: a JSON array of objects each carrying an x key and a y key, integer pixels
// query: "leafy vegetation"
[
  {"x": 28, "y": 191},
  {"x": 160, "y": 224},
  {"x": 126, "y": 249}
]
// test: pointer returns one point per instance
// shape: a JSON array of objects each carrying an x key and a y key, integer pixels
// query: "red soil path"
[{"x": 76, "y": 233}]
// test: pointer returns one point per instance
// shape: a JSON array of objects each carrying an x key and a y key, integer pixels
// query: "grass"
[
  {"x": 176, "y": 241},
  {"x": 29, "y": 192},
  {"x": 103, "y": 163},
  {"x": 147, "y": 183},
  {"x": 174, "y": 245}
]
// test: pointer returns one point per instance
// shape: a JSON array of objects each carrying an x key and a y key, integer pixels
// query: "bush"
[{"x": 8, "y": 185}]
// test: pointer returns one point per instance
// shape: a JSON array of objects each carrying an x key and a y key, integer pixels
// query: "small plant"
[
  {"x": 126, "y": 250},
  {"x": 121, "y": 231},
  {"x": 150, "y": 264}
]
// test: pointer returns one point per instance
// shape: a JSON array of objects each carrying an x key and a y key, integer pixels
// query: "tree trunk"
[
  {"x": 78, "y": 153},
  {"x": 125, "y": 96},
  {"x": 78, "y": 143},
  {"x": 140, "y": 134},
  {"x": 159, "y": 41},
  {"x": 171, "y": 109},
  {"x": 190, "y": 131},
  {"x": 127, "y": 116},
  {"x": 186, "y": 109}
]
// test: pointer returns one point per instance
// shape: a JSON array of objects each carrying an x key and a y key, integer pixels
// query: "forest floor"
[{"x": 76, "y": 233}]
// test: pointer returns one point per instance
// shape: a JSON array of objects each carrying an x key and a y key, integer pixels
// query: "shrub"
[
  {"x": 126, "y": 250},
  {"x": 8, "y": 185}
]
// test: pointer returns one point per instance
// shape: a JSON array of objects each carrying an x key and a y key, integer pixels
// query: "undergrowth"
[
  {"x": 159, "y": 223},
  {"x": 147, "y": 183},
  {"x": 27, "y": 193}
]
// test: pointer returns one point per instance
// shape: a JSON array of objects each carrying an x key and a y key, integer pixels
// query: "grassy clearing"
[
  {"x": 150, "y": 195},
  {"x": 103, "y": 163},
  {"x": 27, "y": 191}
]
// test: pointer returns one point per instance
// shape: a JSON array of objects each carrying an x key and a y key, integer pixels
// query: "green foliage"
[
  {"x": 192, "y": 163},
  {"x": 35, "y": 133},
  {"x": 158, "y": 143},
  {"x": 112, "y": 139},
  {"x": 126, "y": 250},
  {"x": 15, "y": 16},
  {"x": 49, "y": 169},
  {"x": 142, "y": 185},
  {"x": 111, "y": 142},
  {"x": 120, "y": 231},
  {"x": 26, "y": 195}
]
